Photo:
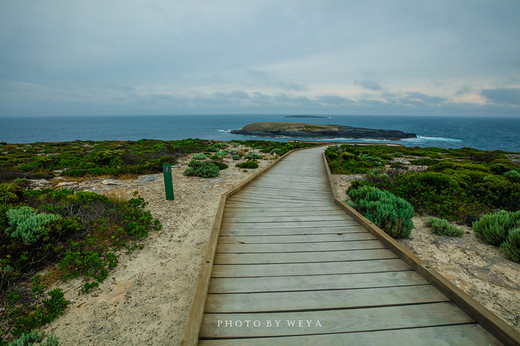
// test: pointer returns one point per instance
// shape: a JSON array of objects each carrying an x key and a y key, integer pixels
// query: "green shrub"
[
  {"x": 494, "y": 228},
  {"x": 248, "y": 164},
  {"x": 443, "y": 227},
  {"x": 424, "y": 162},
  {"x": 202, "y": 169},
  {"x": 253, "y": 156},
  {"x": 213, "y": 149},
  {"x": 511, "y": 246},
  {"x": 512, "y": 175},
  {"x": 199, "y": 156},
  {"x": 34, "y": 337},
  {"x": 236, "y": 157},
  {"x": 392, "y": 214},
  {"x": 25, "y": 224},
  {"x": 220, "y": 165}
]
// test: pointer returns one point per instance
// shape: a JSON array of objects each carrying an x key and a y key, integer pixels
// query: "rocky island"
[{"x": 279, "y": 129}]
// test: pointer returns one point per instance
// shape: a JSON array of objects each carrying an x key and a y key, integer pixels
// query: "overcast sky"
[{"x": 410, "y": 57}]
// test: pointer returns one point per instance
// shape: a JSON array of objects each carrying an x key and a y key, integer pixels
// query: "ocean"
[{"x": 487, "y": 133}]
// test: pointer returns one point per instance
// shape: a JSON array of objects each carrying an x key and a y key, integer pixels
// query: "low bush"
[
  {"x": 199, "y": 156},
  {"x": 221, "y": 165},
  {"x": 511, "y": 246},
  {"x": 202, "y": 169},
  {"x": 390, "y": 213},
  {"x": 248, "y": 164},
  {"x": 27, "y": 225},
  {"x": 252, "y": 156},
  {"x": 34, "y": 337},
  {"x": 236, "y": 157},
  {"x": 494, "y": 228},
  {"x": 79, "y": 240},
  {"x": 512, "y": 175},
  {"x": 443, "y": 227}
]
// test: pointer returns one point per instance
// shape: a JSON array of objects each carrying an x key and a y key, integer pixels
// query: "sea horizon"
[{"x": 479, "y": 132}]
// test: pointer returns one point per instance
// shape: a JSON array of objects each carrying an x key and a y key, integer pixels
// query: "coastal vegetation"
[
  {"x": 475, "y": 187},
  {"x": 56, "y": 234},
  {"x": 116, "y": 158},
  {"x": 51, "y": 235},
  {"x": 390, "y": 213}
]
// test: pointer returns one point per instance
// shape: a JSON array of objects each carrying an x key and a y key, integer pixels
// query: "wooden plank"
[
  {"x": 299, "y": 247},
  {"x": 282, "y": 198},
  {"x": 278, "y": 230},
  {"x": 356, "y": 235},
  {"x": 303, "y": 257},
  {"x": 322, "y": 300},
  {"x": 294, "y": 217},
  {"x": 335, "y": 321},
  {"x": 294, "y": 224},
  {"x": 278, "y": 204},
  {"x": 461, "y": 334},
  {"x": 315, "y": 282},
  {"x": 252, "y": 270},
  {"x": 274, "y": 212}
]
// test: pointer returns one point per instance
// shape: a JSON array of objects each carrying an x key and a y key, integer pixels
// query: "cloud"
[
  {"x": 465, "y": 89},
  {"x": 502, "y": 96},
  {"x": 259, "y": 78},
  {"x": 333, "y": 100},
  {"x": 418, "y": 98},
  {"x": 369, "y": 85},
  {"x": 232, "y": 95}
]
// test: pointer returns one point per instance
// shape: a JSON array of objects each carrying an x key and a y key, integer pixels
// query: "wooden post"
[{"x": 168, "y": 184}]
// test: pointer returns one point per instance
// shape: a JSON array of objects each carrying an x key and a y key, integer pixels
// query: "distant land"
[
  {"x": 279, "y": 129},
  {"x": 307, "y": 116}
]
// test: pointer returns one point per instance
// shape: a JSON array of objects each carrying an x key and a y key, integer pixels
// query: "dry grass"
[{"x": 118, "y": 196}]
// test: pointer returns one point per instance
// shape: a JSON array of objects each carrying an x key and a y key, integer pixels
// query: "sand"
[{"x": 146, "y": 299}]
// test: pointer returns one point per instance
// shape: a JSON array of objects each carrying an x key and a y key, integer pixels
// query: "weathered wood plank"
[
  {"x": 354, "y": 234},
  {"x": 322, "y": 300},
  {"x": 335, "y": 321},
  {"x": 291, "y": 218},
  {"x": 462, "y": 334},
  {"x": 280, "y": 230},
  {"x": 315, "y": 282},
  {"x": 303, "y": 257},
  {"x": 252, "y": 270},
  {"x": 299, "y": 247},
  {"x": 294, "y": 224},
  {"x": 274, "y": 212}
]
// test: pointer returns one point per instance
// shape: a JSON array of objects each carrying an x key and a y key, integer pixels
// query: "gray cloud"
[
  {"x": 162, "y": 56},
  {"x": 369, "y": 85},
  {"x": 503, "y": 96}
]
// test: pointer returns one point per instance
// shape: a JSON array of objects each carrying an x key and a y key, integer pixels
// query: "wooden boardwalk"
[{"x": 292, "y": 268}]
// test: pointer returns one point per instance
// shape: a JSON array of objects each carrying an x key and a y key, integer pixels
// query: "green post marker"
[{"x": 168, "y": 184}]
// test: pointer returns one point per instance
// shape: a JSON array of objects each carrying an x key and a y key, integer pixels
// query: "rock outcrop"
[{"x": 299, "y": 130}]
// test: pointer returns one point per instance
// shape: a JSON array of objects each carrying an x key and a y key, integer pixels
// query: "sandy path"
[{"x": 145, "y": 300}]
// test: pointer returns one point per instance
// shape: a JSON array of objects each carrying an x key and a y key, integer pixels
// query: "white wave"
[
  {"x": 226, "y": 131},
  {"x": 437, "y": 139}
]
